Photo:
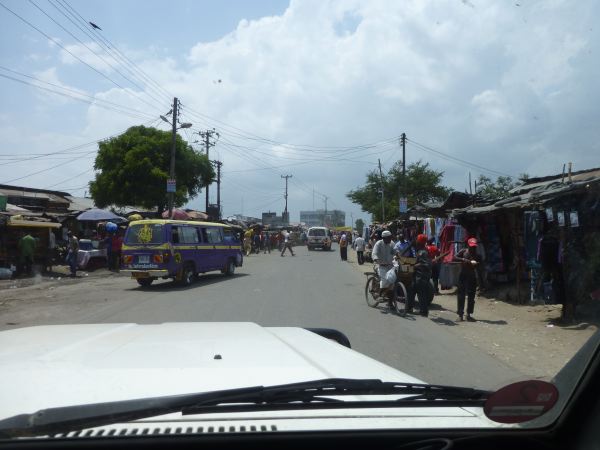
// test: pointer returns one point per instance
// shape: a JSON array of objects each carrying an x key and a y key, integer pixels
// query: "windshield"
[
  {"x": 145, "y": 234},
  {"x": 204, "y": 196}
]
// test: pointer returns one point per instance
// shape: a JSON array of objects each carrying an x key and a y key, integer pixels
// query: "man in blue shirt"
[{"x": 402, "y": 245}]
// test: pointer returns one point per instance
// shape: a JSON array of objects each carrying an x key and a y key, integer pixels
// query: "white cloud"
[
  {"x": 50, "y": 75},
  {"x": 90, "y": 53},
  {"x": 489, "y": 82}
]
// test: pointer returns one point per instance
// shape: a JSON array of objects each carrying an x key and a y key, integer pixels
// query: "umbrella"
[
  {"x": 96, "y": 214},
  {"x": 178, "y": 214}
]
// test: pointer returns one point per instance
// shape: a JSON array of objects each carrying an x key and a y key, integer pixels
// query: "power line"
[
  {"x": 95, "y": 99},
  {"x": 68, "y": 51},
  {"x": 45, "y": 170},
  {"x": 64, "y": 94},
  {"x": 70, "y": 178},
  {"x": 77, "y": 147},
  {"x": 149, "y": 81},
  {"x": 457, "y": 160}
]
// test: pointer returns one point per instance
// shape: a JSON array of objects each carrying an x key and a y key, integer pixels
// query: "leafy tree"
[
  {"x": 498, "y": 189},
  {"x": 359, "y": 225},
  {"x": 134, "y": 168},
  {"x": 422, "y": 184}
]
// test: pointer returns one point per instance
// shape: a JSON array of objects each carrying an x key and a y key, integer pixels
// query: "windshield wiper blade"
[{"x": 318, "y": 394}]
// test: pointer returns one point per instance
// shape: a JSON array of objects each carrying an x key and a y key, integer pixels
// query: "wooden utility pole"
[
  {"x": 171, "y": 198},
  {"x": 285, "y": 212},
  {"x": 218, "y": 164},
  {"x": 207, "y": 135}
]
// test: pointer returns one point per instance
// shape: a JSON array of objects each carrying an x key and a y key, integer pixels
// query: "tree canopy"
[
  {"x": 422, "y": 184},
  {"x": 134, "y": 168},
  {"x": 359, "y": 225},
  {"x": 498, "y": 189}
]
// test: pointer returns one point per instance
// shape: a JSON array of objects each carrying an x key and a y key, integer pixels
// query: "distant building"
[{"x": 331, "y": 218}]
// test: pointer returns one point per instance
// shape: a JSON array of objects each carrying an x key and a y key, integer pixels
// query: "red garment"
[
  {"x": 432, "y": 250},
  {"x": 446, "y": 238},
  {"x": 117, "y": 242}
]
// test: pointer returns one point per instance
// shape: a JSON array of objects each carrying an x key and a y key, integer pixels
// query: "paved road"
[{"x": 312, "y": 289}]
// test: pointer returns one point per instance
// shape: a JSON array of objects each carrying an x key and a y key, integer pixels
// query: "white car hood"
[{"x": 61, "y": 365}]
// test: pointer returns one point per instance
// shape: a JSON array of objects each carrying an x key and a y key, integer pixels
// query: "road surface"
[{"x": 311, "y": 289}]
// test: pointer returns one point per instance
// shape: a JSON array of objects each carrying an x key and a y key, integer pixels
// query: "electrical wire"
[
  {"x": 109, "y": 46},
  {"x": 69, "y": 150},
  {"x": 45, "y": 170},
  {"x": 70, "y": 52},
  {"x": 70, "y": 178},
  {"x": 94, "y": 99},
  {"x": 456, "y": 160}
]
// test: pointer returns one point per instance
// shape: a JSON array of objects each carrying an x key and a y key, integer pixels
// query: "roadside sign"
[
  {"x": 171, "y": 186},
  {"x": 403, "y": 206}
]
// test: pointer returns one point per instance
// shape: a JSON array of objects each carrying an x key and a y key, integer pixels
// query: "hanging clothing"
[{"x": 446, "y": 237}]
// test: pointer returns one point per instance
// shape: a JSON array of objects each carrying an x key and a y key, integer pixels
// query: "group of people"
[
  {"x": 426, "y": 270},
  {"x": 256, "y": 241}
]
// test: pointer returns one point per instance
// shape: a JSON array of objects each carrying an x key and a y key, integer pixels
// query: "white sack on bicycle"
[{"x": 390, "y": 278}]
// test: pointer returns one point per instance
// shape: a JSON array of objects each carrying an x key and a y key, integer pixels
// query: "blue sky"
[{"x": 509, "y": 87}]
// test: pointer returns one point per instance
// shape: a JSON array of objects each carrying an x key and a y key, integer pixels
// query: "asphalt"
[{"x": 311, "y": 289}]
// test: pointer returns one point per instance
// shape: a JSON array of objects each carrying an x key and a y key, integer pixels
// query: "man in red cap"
[
  {"x": 467, "y": 280},
  {"x": 421, "y": 277}
]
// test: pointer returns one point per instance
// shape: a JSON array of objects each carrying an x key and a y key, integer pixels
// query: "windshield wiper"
[{"x": 318, "y": 394}]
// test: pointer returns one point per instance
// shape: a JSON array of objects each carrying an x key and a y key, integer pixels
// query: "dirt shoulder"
[{"x": 528, "y": 338}]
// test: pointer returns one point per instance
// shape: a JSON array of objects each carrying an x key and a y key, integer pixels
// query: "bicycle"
[{"x": 394, "y": 295}]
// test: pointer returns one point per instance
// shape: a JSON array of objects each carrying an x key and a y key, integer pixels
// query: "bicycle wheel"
[
  {"x": 371, "y": 287},
  {"x": 400, "y": 296}
]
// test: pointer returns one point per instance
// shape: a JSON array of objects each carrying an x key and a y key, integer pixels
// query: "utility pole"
[
  {"x": 207, "y": 135},
  {"x": 403, "y": 188},
  {"x": 325, "y": 215},
  {"x": 285, "y": 212},
  {"x": 218, "y": 164},
  {"x": 382, "y": 201},
  {"x": 172, "y": 166},
  {"x": 403, "y": 143}
]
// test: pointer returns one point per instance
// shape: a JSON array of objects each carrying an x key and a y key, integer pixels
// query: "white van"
[{"x": 318, "y": 237}]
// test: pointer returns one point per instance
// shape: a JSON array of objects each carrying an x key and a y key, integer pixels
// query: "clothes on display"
[{"x": 494, "y": 260}]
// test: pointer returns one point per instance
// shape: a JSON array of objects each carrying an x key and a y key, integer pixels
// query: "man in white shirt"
[
  {"x": 287, "y": 243},
  {"x": 383, "y": 256},
  {"x": 359, "y": 246}
]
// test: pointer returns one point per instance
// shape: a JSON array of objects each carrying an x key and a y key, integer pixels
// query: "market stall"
[{"x": 44, "y": 232}]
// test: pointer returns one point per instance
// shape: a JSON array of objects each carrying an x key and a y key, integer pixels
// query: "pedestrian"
[
  {"x": 467, "y": 279},
  {"x": 287, "y": 243},
  {"x": 73, "y": 250},
  {"x": 434, "y": 252},
  {"x": 344, "y": 247},
  {"x": 256, "y": 241},
  {"x": 421, "y": 278},
  {"x": 359, "y": 247},
  {"x": 108, "y": 245},
  {"x": 404, "y": 247},
  {"x": 267, "y": 243},
  {"x": 383, "y": 256},
  {"x": 248, "y": 242},
  {"x": 117, "y": 243},
  {"x": 27, "y": 245}
]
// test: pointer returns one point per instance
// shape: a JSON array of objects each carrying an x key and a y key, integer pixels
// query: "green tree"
[
  {"x": 498, "y": 189},
  {"x": 422, "y": 184},
  {"x": 359, "y": 225},
  {"x": 134, "y": 167}
]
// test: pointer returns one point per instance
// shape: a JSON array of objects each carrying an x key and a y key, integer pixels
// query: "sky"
[{"x": 317, "y": 89}]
